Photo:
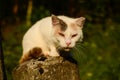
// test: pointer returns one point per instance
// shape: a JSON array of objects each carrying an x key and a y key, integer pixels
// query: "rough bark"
[{"x": 52, "y": 68}]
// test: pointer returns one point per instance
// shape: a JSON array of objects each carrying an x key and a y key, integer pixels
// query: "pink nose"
[{"x": 68, "y": 43}]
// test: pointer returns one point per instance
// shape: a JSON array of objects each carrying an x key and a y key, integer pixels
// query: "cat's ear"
[
  {"x": 55, "y": 20},
  {"x": 80, "y": 21},
  {"x": 58, "y": 22}
]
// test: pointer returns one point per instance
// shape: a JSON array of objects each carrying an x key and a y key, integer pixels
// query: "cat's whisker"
[
  {"x": 80, "y": 44},
  {"x": 80, "y": 52}
]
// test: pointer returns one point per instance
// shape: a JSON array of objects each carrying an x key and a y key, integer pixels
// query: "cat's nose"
[{"x": 68, "y": 43}]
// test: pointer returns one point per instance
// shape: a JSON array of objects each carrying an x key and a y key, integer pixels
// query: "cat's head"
[{"x": 67, "y": 30}]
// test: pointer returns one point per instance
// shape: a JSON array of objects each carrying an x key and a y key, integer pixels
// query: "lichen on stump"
[{"x": 51, "y": 68}]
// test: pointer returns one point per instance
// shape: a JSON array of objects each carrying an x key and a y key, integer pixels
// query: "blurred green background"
[{"x": 99, "y": 54}]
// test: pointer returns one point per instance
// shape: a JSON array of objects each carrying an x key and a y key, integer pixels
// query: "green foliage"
[
  {"x": 12, "y": 48},
  {"x": 102, "y": 54},
  {"x": 39, "y": 13}
]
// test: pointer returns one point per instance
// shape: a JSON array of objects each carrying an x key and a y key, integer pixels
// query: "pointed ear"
[
  {"x": 55, "y": 20},
  {"x": 80, "y": 21}
]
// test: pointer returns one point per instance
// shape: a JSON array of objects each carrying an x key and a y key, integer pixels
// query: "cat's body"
[{"x": 50, "y": 34}]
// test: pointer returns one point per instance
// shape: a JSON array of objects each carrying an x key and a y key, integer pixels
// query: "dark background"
[{"x": 99, "y": 54}]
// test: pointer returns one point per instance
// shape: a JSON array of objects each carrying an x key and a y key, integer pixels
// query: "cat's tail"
[{"x": 32, "y": 54}]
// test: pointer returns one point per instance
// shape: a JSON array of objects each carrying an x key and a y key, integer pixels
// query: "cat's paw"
[
  {"x": 51, "y": 54},
  {"x": 54, "y": 54},
  {"x": 32, "y": 54},
  {"x": 35, "y": 52}
]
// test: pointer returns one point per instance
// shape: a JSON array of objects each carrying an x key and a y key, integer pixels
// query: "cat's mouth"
[{"x": 67, "y": 48}]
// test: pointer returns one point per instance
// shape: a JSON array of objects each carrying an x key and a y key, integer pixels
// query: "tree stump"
[{"x": 52, "y": 68}]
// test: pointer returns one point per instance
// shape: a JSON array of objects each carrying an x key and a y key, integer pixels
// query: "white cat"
[{"x": 51, "y": 34}]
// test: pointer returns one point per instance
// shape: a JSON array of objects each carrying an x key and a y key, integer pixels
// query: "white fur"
[{"x": 41, "y": 34}]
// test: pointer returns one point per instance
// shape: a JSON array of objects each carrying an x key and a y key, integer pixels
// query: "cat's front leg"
[{"x": 53, "y": 51}]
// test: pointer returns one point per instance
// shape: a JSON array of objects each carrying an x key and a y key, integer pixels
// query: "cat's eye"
[
  {"x": 61, "y": 34},
  {"x": 74, "y": 35}
]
